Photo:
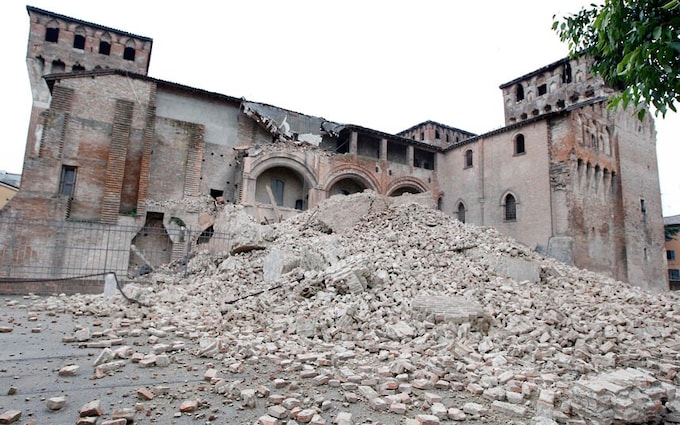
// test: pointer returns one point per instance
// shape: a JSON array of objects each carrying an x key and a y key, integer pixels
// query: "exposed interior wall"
[
  {"x": 169, "y": 167},
  {"x": 293, "y": 193},
  {"x": 6, "y": 193}
]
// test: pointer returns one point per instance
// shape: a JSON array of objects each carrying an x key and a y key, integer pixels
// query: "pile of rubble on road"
[{"x": 397, "y": 304}]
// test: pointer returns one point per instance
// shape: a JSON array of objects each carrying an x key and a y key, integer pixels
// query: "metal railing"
[{"x": 44, "y": 250}]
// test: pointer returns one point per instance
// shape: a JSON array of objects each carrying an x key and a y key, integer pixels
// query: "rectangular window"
[
  {"x": 67, "y": 183},
  {"x": 79, "y": 42},
  {"x": 673, "y": 274},
  {"x": 670, "y": 254},
  {"x": 129, "y": 53},
  {"x": 277, "y": 191},
  {"x": 104, "y": 48},
  {"x": 542, "y": 89},
  {"x": 52, "y": 35}
]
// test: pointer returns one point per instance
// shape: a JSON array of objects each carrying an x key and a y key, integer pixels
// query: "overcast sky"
[{"x": 385, "y": 65}]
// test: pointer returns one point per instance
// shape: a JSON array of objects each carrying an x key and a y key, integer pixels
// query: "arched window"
[
  {"x": 519, "y": 92},
  {"x": 510, "y": 204},
  {"x": 468, "y": 158},
  {"x": 58, "y": 66},
  {"x": 460, "y": 212},
  {"x": 519, "y": 144}
]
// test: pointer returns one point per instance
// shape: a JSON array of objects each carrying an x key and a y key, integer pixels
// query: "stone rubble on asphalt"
[{"x": 401, "y": 309}]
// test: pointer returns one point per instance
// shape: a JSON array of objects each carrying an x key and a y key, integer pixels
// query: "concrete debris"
[
  {"x": 623, "y": 395},
  {"x": 70, "y": 370},
  {"x": 91, "y": 409},
  {"x": 403, "y": 313},
  {"x": 10, "y": 416},
  {"x": 56, "y": 403}
]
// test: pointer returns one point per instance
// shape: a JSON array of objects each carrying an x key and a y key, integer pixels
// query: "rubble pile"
[{"x": 407, "y": 312}]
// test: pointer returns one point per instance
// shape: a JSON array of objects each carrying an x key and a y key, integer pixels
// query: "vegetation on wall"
[{"x": 635, "y": 45}]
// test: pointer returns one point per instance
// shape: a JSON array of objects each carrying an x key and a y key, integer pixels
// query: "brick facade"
[{"x": 565, "y": 176}]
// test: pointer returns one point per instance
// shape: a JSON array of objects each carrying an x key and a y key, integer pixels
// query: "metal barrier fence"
[{"x": 63, "y": 251}]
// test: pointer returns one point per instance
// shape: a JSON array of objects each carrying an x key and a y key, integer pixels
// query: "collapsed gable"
[{"x": 285, "y": 125}]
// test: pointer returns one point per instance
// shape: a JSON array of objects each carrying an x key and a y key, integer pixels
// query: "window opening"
[
  {"x": 468, "y": 158},
  {"x": 673, "y": 274},
  {"x": 129, "y": 53},
  {"x": 436, "y": 134},
  {"x": 422, "y": 136},
  {"x": 566, "y": 73},
  {"x": 67, "y": 182},
  {"x": 58, "y": 66},
  {"x": 52, "y": 35},
  {"x": 519, "y": 92},
  {"x": 461, "y": 212},
  {"x": 542, "y": 89},
  {"x": 79, "y": 42},
  {"x": 519, "y": 144},
  {"x": 510, "y": 208},
  {"x": 104, "y": 48},
  {"x": 277, "y": 191},
  {"x": 670, "y": 254},
  {"x": 205, "y": 236}
]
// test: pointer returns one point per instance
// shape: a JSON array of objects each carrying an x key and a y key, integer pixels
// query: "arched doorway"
[{"x": 282, "y": 185}]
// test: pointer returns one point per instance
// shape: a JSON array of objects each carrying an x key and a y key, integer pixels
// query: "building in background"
[
  {"x": 9, "y": 186},
  {"x": 672, "y": 231},
  {"x": 111, "y": 146}
]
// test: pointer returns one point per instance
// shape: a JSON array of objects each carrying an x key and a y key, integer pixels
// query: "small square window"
[
  {"x": 673, "y": 274},
  {"x": 104, "y": 48},
  {"x": 129, "y": 54},
  {"x": 670, "y": 254},
  {"x": 52, "y": 35},
  {"x": 542, "y": 89},
  {"x": 79, "y": 42}
]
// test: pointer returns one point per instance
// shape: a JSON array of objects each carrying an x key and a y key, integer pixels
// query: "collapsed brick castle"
[{"x": 109, "y": 145}]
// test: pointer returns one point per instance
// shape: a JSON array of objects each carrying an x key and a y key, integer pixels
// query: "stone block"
[
  {"x": 92, "y": 408},
  {"x": 56, "y": 403},
  {"x": 10, "y": 416}
]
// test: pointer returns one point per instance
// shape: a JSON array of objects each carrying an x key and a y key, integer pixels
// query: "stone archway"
[
  {"x": 346, "y": 186},
  {"x": 406, "y": 185},
  {"x": 405, "y": 189},
  {"x": 288, "y": 188},
  {"x": 349, "y": 180}
]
